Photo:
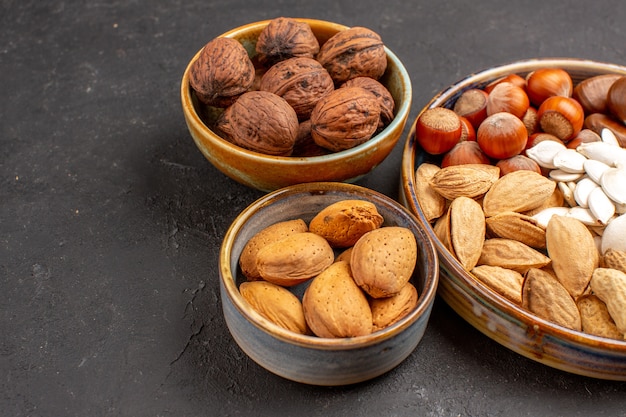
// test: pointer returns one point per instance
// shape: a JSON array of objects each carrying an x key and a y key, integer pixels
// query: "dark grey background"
[{"x": 111, "y": 219}]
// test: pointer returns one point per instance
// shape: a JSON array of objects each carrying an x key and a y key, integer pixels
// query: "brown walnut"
[
  {"x": 285, "y": 38},
  {"x": 384, "y": 97},
  {"x": 300, "y": 81},
  {"x": 353, "y": 52},
  {"x": 260, "y": 121},
  {"x": 345, "y": 118},
  {"x": 222, "y": 72}
]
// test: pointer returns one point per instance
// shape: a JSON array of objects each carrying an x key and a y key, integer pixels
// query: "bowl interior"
[
  {"x": 304, "y": 201},
  {"x": 462, "y": 291}
]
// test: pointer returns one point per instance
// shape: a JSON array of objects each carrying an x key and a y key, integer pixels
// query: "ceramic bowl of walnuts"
[
  {"x": 327, "y": 283},
  {"x": 289, "y": 100},
  {"x": 524, "y": 259}
]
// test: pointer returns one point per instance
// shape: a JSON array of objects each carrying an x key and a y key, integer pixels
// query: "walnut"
[
  {"x": 353, "y": 52},
  {"x": 300, "y": 81},
  {"x": 385, "y": 99},
  {"x": 345, "y": 118},
  {"x": 305, "y": 145},
  {"x": 260, "y": 121},
  {"x": 222, "y": 72},
  {"x": 285, "y": 38}
]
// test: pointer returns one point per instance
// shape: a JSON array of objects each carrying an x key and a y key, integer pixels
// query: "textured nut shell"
[
  {"x": 354, "y": 52},
  {"x": 467, "y": 231},
  {"x": 610, "y": 286},
  {"x": 433, "y": 204},
  {"x": 345, "y": 118},
  {"x": 511, "y": 254},
  {"x": 384, "y": 97},
  {"x": 544, "y": 295},
  {"x": 469, "y": 180},
  {"x": 442, "y": 230},
  {"x": 517, "y": 226},
  {"x": 294, "y": 259},
  {"x": 383, "y": 260},
  {"x": 389, "y": 310},
  {"x": 222, "y": 71},
  {"x": 334, "y": 306},
  {"x": 302, "y": 82},
  {"x": 275, "y": 303},
  {"x": 344, "y": 256},
  {"x": 573, "y": 252},
  {"x": 272, "y": 233},
  {"x": 262, "y": 122},
  {"x": 517, "y": 191},
  {"x": 344, "y": 222},
  {"x": 506, "y": 282},
  {"x": 615, "y": 259},
  {"x": 596, "y": 319},
  {"x": 285, "y": 38}
]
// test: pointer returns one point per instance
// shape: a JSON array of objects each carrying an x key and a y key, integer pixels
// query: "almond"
[
  {"x": 573, "y": 251},
  {"x": 596, "y": 319},
  {"x": 334, "y": 306},
  {"x": 383, "y": 260},
  {"x": 504, "y": 281},
  {"x": 275, "y": 303},
  {"x": 511, "y": 254},
  {"x": 432, "y": 203},
  {"x": 389, "y": 310},
  {"x": 294, "y": 259},
  {"x": 344, "y": 222},
  {"x": 517, "y": 226},
  {"x": 518, "y": 191},
  {"x": 277, "y": 231},
  {"x": 467, "y": 231},
  {"x": 469, "y": 180},
  {"x": 546, "y": 297},
  {"x": 610, "y": 286}
]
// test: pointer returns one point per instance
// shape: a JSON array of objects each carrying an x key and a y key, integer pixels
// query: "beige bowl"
[
  {"x": 265, "y": 172},
  {"x": 486, "y": 310},
  {"x": 309, "y": 359}
]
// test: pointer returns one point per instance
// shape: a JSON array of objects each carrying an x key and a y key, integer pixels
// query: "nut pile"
[
  {"x": 295, "y": 97},
  {"x": 530, "y": 193},
  {"x": 356, "y": 271}
]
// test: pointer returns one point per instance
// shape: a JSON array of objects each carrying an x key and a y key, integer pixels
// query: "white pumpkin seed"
[
  {"x": 583, "y": 189},
  {"x": 614, "y": 235},
  {"x": 613, "y": 183},
  {"x": 560, "y": 175},
  {"x": 608, "y": 136},
  {"x": 584, "y": 215},
  {"x": 603, "y": 152},
  {"x": 544, "y": 216},
  {"x": 595, "y": 169},
  {"x": 568, "y": 194},
  {"x": 569, "y": 160},
  {"x": 600, "y": 205},
  {"x": 543, "y": 153}
]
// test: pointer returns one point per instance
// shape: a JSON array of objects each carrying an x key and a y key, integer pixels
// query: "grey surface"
[{"x": 111, "y": 220}]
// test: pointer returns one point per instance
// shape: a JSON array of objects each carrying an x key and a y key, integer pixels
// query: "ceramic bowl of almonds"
[
  {"x": 519, "y": 175},
  {"x": 327, "y": 283},
  {"x": 290, "y": 100}
]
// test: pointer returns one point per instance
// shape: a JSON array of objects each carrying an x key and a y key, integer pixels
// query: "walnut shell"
[
  {"x": 384, "y": 97},
  {"x": 300, "y": 81},
  {"x": 305, "y": 145},
  {"x": 222, "y": 72},
  {"x": 285, "y": 38},
  {"x": 354, "y": 52},
  {"x": 345, "y": 118},
  {"x": 260, "y": 121}
]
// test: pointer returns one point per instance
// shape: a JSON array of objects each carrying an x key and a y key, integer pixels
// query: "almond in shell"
[
  {"x": 517, "y": 226},
  {"x": 433, "y": 204},
  {"x": 389, "y": 310},
  {"x": 334, "y": 306},
  {"x": 344, "y": 222},
  {"x": 511, "y": 254},
  {"x": 518, "y": 191},
  {"x": 275, "y": 303},
  {"x": 596, "y": 319},
  {"x": 294, "y": 259},
  {"x": 383, "y": 260},
  {"x": 272, "y": 233},
  {"x": 573, "y": 251},
  {"x": 469, "y": 180},
  {"x": 506, "y": 282},
  {"x": 610, "y": 286},
  {"x": 467, "y": 231},
  {"x": 546, "y": 297}
]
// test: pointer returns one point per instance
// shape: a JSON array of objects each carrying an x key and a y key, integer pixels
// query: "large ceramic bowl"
[
  {"x": 310, "y": 359},
  {"x": 486, "y": 310},
  {"x": 267, "y": 173}
]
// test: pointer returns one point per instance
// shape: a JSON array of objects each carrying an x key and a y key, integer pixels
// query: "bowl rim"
[
  {"x": 228, "y": 280},
  {"x": 401, "y": 113},
  {"x": 448, "y": 263}
]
